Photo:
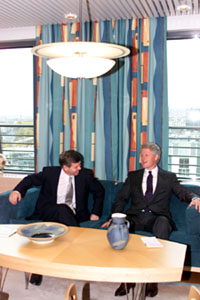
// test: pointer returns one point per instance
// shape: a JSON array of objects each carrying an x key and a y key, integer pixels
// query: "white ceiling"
[{"x": 20, "y": 13}]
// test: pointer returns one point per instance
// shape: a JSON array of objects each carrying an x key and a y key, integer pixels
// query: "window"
[
  {"x": 184, "y": 107},
  {"x": 16, "y": 113},
  {"x": 184, "y": 166}
]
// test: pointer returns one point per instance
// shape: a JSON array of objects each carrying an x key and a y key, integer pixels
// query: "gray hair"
[{"x": 153, "y": 148}]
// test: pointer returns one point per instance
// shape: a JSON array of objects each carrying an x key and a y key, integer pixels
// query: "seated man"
[
  {"x": 64, "y": 194},
  {"x": 150, "y": 189}
]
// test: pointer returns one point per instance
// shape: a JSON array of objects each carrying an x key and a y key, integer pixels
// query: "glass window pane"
[
  {"x": 184, "y": 107},
  {"x": 16, "y": 113}
]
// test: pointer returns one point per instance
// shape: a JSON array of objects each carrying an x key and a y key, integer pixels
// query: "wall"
[
  {"x": 8, "y": 182},
  {"x": 183, "y": 23},
  {"x": 19, "y": 33}
]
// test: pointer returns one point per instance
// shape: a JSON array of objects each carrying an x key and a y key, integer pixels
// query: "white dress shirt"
[
  {"x": 63, "y": 185},
  {"x": 154, "y": 173}
]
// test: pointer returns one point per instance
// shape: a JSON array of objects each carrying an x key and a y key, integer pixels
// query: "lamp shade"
[
  {"x": 69, "y": 49},
  {"x": 80, "y": 67},
  {"x": 80, "y": 59}
]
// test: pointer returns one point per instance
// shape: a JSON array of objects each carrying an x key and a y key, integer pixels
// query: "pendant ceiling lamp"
[{"x": 80, "y": 59}]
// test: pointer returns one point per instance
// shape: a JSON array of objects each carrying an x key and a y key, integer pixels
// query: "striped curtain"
[{"x": 106, "y": 118}]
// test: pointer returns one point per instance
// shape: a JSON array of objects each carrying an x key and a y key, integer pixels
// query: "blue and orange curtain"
[{"x": 106, "y": 118}]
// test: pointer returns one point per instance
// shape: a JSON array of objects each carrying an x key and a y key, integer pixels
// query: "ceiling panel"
[
  {"x": 172, "y": 9},
  {"x": 22, "y": 13}
]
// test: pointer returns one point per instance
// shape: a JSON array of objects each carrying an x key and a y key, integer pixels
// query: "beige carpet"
[{"x": 54, "y": 289}]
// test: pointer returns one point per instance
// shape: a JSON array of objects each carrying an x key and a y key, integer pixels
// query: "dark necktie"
[
  {"x": 69, "y": 195},
  {"x": 149, "y": 190}
]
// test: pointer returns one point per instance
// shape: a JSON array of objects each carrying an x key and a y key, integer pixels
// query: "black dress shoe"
[
  {"x": 151, "y": 289},
  {"x": 36, "y": 279},
  {"x": 124, "y": 289}
]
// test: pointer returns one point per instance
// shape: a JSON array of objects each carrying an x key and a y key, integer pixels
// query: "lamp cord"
[
  {"x": 90, "y": 20},
  {"x": 80, "y": 20}
]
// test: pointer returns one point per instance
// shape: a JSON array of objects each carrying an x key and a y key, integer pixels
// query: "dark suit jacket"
[
  {"x": 159, "y": 204},
  {"x": 85, "y": 183}
]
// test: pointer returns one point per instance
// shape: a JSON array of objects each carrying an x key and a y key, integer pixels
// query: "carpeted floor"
[{"x": 54, "y": 289}]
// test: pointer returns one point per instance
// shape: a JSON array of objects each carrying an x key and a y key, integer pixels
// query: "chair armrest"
[
  {"x": 193, "y": 230},
  {"x": 192, "y": 221},
  {"x": 6, "y": 208}
]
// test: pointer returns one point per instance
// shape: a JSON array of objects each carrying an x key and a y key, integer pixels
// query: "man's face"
[
  {"x": 73, "y": 170},
  {"x": 149, "y": 160}
]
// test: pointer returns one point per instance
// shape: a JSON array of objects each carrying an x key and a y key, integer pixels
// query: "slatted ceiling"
[
  {"x": 171, "y": 7},
  {"x": 123, "y": 5},
  {"x": 141, "y": 11},
  {"x": 153, "y": 8},
  {"x": 150, "y": 8},
  {"x": 136, "y": 12},
  {"x": 22, "y": 13},
  {"x": 115, "y": 11},
  {"x": 159, "y": 8},
  {"x": 103, "y": 10},
  {"x": 106, "y": 11},
  {"x": 196, "y": 7},
  {"x": 190, "y": 4},
  {"x": 165, "y": 6},
  {"x": 146, "y": 8},
  {"x": 140, "y": 8},
  {"x": 96, "y": 11},
  {"x": 119, "y": 5},
  {"x": 178, "y": 13},
  {"x": 129, "y": 9}
]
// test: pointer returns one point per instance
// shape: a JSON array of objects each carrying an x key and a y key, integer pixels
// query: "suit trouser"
[
  {"x": 148, "y": 221},
  {"x": 60, "y": 213}
]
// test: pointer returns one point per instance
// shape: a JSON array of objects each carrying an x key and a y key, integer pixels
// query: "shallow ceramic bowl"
[{"x": 42, "y": 232}]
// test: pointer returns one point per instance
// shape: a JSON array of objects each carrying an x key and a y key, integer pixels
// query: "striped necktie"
[{"x": 69, "y": 195}]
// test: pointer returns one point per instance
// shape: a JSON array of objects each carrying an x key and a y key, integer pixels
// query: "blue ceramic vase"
[{"x": 118, "y": 233}]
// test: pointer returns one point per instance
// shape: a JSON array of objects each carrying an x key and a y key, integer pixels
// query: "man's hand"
[
  {"x": 15, "y": 197},
  {"x": 195, "y": 202},
  {"x": 106, "y": 224},
  {"x": 94, "y": 217}
]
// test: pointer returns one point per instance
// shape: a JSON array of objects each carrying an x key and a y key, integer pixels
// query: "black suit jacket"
[
  {"x": 167, "y": 183},
  {"x": 85, "y": 183}
]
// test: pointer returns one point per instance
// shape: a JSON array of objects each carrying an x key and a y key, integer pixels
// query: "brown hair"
[{"x": 66, "y": 158}]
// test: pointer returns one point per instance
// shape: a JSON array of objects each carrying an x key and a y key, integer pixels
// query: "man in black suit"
[
  {"x": 64, "y": 194},
  {"x": 150, "y": 189}
]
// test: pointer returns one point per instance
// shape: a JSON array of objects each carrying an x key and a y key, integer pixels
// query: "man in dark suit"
[
  {"x": 150, "y": 189},
  {"x": 64, "y": 194}
]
